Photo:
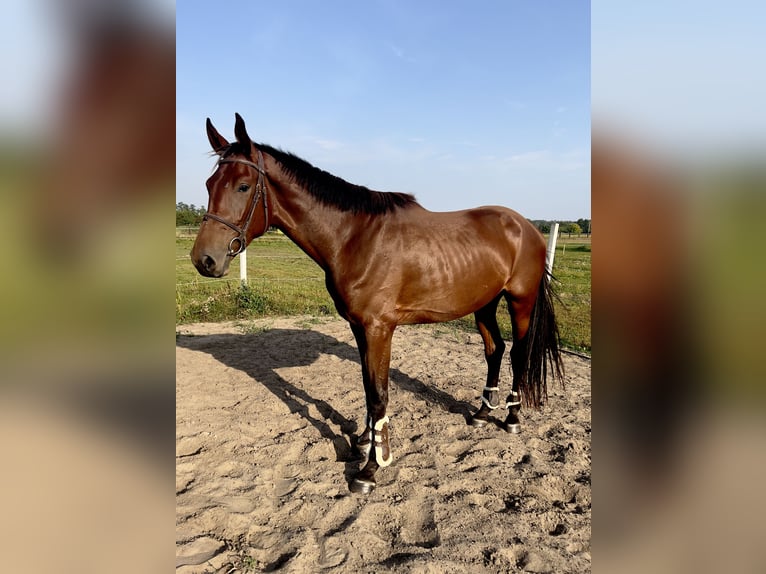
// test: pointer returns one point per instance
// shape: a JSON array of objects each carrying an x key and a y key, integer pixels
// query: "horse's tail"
[{"x": 543, "y": 342}]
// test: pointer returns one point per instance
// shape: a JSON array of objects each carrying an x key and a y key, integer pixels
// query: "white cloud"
[
  {"x": 570, "y": 160},
  {"x": 327, "y": 144},
  {"x": 515, "y": 104},
  {"x": 529, "y": 157},
  {"x": 401, "y": 54}
]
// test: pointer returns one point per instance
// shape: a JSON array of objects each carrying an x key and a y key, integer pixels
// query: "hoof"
[
  {"x": 513, "y": 428},
  {"x": 477, "y": 423},
  {"x": 362, "y": 486}
]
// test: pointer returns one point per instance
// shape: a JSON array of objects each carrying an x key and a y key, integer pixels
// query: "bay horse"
[{"x": 388, "y": 261}]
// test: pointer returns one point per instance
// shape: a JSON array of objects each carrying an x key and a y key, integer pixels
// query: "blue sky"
[{"x": 461, "y": 104}]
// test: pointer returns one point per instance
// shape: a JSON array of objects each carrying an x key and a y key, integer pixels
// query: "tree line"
[
  {"x": 579, "y": 227},
  {"x": 188, "y": 215}
]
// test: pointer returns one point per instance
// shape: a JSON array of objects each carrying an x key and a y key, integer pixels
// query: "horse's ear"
[
  {"x": 217, "y": 141},
  {"x": 240, "y": 131}
]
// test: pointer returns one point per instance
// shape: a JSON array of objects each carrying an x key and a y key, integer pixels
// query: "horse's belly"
[{"x": 435, "y": 296}]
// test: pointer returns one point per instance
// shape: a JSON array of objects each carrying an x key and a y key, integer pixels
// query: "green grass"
[
  {"x": 571, "y": 268},
  {"x": 282, "y": 280}
]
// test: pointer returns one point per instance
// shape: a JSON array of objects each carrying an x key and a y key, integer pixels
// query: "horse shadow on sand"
[{"x": 261, "y": 355}]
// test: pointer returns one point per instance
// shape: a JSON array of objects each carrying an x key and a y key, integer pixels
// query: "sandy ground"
[{"x": 266, "y": 412}]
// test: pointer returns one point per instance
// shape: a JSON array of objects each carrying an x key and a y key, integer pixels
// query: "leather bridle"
[{"x": 260, "y": 190}]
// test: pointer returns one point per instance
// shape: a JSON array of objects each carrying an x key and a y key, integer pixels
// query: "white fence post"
[
  {"x": 243, "y": 266},
  {"x": 551, "y": 252}
]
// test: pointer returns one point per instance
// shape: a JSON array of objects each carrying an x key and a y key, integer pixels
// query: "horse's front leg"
[{"x": 374, "y": 341}]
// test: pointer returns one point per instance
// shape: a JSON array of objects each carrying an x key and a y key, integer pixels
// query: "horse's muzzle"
[{"x": 208, "y": 266}]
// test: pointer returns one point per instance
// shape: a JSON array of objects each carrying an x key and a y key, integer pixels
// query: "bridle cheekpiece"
[{"x": 260, "y": 190}]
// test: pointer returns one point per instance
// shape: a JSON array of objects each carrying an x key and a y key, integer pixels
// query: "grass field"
[{"x": 282, "y": 280}]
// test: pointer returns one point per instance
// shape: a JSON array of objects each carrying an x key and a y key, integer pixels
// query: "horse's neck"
[{"x": 319, "y": 230}]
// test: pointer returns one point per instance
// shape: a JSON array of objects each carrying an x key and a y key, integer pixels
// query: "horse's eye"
[{"x": 244, "y": 187}]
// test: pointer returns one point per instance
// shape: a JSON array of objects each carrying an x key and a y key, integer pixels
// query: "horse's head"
[{"x": 238, "y": 209}]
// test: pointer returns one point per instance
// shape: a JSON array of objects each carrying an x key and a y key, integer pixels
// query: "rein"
[{"x": 260, "y": 190}]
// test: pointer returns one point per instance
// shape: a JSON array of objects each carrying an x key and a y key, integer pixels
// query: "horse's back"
[{"x": 491, "y": 230}]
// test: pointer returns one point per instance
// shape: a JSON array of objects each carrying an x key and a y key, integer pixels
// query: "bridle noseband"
[{"x": 260, "y": 190}]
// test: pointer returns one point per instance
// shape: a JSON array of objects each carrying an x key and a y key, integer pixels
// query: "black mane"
[{"x": 328, "y": 188}]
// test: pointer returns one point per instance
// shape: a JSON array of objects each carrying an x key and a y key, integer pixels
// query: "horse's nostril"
[{"x": 208, "y": 262}]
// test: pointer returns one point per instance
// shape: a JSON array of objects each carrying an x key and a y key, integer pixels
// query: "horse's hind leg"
[
  {"x": 494, "y": 347},
  {"x": 513, "y": 402},
  {"x": 520, "y": 311}
]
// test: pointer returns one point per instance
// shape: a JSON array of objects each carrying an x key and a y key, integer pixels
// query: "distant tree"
[
  {"x": 584, "y": 225},
  {"x": 188, "y": 214},
  {"x": 569, "y": 227}
]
